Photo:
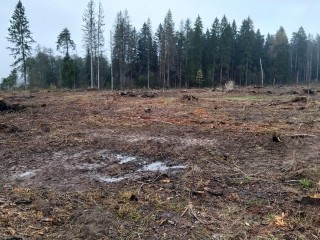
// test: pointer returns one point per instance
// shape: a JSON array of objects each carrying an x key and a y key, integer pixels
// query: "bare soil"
[{"x": 176, "y": 164}]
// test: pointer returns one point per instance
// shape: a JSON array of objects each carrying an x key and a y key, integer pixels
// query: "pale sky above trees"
[{"x": 48, "y": 18}]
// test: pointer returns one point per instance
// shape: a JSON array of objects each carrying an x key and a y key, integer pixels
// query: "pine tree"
[
  {"x": 89, "y": 31},
  {"x": 65, "y": 42},
  {"x": 100, "y": 39},
  {"x": 20, "y": 37},
  {"x": 121, "y": 39}
]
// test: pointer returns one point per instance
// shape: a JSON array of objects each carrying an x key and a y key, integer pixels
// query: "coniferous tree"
[
  {"x": 89, "y": 34},
  {"x": 169, "y": 46},
  {"x": 299, "y": 49},
  {"x": 246, "y": 43},
  {"x": 281, "y": 60},
  {"x": 234, "y": 36},
  {"x": 317, "y": 50},
  {"x": 181, "y": 44},
  {"x": 131, "y": 57},
  {"x": 214, "y": 47},
  {"x": 258, "y": 58},
  {"x": 100, "y": 40},
  {"x": 145, "y": 51},
  {"x": 225, "y": 47},
  {"x": 42, "y": 69},
  {"x": 187, "y": 53},
  {"x": 121, "y": 40},
  {"x": 197, "y": 42},
  {"x": 269, "y": 58},
  {"x": 161, "y": 53},
  {"x": 20, "y": 37},
  {"x": 10, "y": 81},
  {"x": 64, "y": 42}
]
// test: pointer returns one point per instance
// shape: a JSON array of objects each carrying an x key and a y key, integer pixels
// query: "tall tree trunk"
[
  {"x": 186, "y": 75},
  {"x": 24, "y": 69},
  {"x": 220, "y": 74},
  {"x": 317, "y": 64},
  {"x": 168, "y": 79},
  {"x": 91, "y": 65},
  {"x": 261, "y": 72},
  {"x": 180, "y": 74},
  {"x": 148, "y": 68},
  {"x": 111, "y": 60},
  {"x": 247, "y": 72},
  {"x": 310, "y": 63},
  {"x": 213, "y": 73},
  {"x": 98, "y": 72}
]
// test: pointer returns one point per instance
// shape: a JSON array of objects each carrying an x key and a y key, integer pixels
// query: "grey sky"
[{"x": 48, "y": 18}]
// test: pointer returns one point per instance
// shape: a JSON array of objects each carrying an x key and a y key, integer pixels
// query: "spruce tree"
[{"x": 20, "y": 37}]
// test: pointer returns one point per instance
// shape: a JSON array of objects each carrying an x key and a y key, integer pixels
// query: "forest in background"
[{"x": 174, "y": 56}]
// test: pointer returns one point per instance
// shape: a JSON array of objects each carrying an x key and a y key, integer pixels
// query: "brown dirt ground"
[{"x": 237, "y": 165}]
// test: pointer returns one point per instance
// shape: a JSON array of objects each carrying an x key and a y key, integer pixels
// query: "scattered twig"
[{"x": 191, "y": 211}]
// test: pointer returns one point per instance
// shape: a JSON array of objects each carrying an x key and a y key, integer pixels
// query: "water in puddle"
[
  {"x": 160, "y": 166},
  {"x": 25, "y": 175},
  {"x": 154, "y": 167},
  {"x": 125, "y": 159},
  {"x": 75, "y": 161},
  {"x": 111, "y": 179}
]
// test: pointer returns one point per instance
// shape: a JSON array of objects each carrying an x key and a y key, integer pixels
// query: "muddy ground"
[{"x": 178, "y": 164}]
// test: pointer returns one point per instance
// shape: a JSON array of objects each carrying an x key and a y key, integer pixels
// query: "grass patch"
[
  {"x": 128, "y": 211},
  {"x": 305, "y": 183}
]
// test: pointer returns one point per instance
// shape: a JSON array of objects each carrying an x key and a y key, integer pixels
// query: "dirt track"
[{"x": 192, "y": 164}]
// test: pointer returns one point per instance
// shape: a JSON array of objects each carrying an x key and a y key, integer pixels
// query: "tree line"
[{"x": 169, "y": 57}]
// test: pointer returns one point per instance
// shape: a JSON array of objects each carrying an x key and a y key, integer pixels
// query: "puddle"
[
  {"x": 101, "y": 165},
  {"x": 152, "y": 167},
  {"x": 111, "y": 179},
  {"x": 125, "y": 159},
  {"x": 161, "y": 167},
  {"x": 27, "y": 174}
]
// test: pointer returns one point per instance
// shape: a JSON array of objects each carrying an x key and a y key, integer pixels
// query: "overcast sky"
[{"x": 48, "y": 18}]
